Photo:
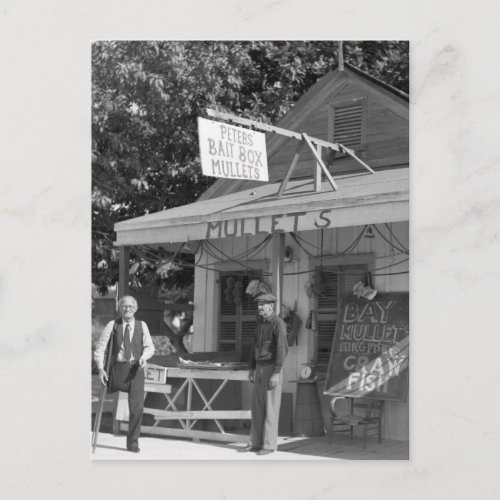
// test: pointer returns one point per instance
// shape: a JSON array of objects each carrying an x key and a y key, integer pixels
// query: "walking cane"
[{"x": 102, "y": 394}]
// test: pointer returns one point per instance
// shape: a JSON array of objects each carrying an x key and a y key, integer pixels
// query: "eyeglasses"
[{"x": 127, "y": 307}]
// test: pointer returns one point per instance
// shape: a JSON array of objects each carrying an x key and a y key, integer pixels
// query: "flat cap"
[{"x": 266, "y": 297}]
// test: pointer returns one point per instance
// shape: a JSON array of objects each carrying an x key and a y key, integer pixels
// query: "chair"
[{"x": 365, "y": 414}]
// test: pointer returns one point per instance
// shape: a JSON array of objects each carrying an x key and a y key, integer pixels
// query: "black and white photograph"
[
  {"x": 220, "y": 221},
  {"x": 250, "y": 250}
]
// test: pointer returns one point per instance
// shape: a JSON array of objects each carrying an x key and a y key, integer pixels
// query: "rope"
[
  {"x": 396, "y": 238},
  {"x": 388, "y": 241}
]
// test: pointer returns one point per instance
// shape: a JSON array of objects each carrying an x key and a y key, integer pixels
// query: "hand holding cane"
[
  {"x": 103, "y": 379},
  {"x": 102, "y": 396}
]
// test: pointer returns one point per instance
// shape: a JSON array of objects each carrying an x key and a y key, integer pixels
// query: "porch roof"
[{"x": 362, "y": 198}]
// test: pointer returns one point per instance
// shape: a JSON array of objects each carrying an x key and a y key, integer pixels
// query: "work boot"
[
  {"x": 265, "y": 452},
  {"x": 249, "y": 448}
]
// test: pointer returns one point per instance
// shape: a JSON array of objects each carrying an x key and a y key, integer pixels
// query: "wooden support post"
[
  {"x": 189, "y": 400},
  {"x": 278, "y": 253},
  {"x": 123, "y": 276},
  {"x": 317, "y": 173},
  {"x": 320, "y": 161}
]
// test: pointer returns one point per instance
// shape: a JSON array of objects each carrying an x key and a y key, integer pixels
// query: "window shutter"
[
  {"x": 326, "y": 329},
  {"x": 227, "y": 318},
  {"x": 326, "y": 313},
  {"x": 248, "y": 321},
  {"x": 348, "y": 125},
  {"x": 227, "y": 337},
  {"x": 237, "y": 321},
  {"x": 338, "y": 281},
  {"x": 327, "y": 299},
  {"x": 247, "y": 336}
]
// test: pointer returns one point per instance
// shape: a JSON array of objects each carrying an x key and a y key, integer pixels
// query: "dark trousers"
[
  {"x": 265, "y": 409},
  {"x": 130, "y": 378}
]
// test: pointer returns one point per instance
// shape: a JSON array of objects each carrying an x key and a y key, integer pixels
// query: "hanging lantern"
[{"x": 369, "y": 232}]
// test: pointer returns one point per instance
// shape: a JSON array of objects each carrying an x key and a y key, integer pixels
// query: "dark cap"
[{"x": 266, "y": 297}]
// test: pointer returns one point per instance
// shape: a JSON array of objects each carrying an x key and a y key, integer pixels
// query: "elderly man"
[
  {"x": 266, "y": 363},
  {"x": 131, "y": 346}
]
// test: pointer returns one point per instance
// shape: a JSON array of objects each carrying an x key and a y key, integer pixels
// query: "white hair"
[{"x": 120, "y": 302}]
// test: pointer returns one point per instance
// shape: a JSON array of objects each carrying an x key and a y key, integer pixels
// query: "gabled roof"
[
  {"x": 324, "y": 89},
  {"x": 376, "y": 81}
]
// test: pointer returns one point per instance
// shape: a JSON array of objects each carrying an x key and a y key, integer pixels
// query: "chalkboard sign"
[{"x": 370, "y": 351}]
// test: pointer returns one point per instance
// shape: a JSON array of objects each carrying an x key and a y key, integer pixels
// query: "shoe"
[
  {"x": 249, "y": 448},
  {"x": 133, "y": 449},
  {"x": 265, "y": 452}
]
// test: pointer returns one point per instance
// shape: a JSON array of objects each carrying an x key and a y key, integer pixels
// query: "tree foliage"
[{"x": 146, "y": 97}]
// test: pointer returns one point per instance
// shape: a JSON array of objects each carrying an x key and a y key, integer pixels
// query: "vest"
[{"x": 118, "y": 333}]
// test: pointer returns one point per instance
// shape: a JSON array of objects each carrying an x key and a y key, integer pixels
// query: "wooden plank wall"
[{"x": 334, "y": 241}]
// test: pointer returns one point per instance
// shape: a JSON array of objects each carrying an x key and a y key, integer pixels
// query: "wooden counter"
[{"x": 183, "y": 384}]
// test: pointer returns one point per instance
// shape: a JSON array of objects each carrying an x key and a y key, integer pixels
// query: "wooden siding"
[{"x": 374, "y": 250}]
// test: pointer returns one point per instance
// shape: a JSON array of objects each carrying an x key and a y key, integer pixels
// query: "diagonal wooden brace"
[
  {"x": 290, "y": 171},
  {"x": 171, "y": 401},
  {"x": 209, "y": 403},
  {"x": 350, "y": 152}
]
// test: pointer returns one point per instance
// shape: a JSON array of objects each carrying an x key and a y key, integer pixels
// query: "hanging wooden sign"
[
  {"x": 370, "y": 350},
  {"x": 232, "y": 152}
]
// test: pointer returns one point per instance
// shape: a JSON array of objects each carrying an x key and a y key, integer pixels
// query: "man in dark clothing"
[
  {"x": 131, "y": 347},
  {"x": 266, "y": 363}
]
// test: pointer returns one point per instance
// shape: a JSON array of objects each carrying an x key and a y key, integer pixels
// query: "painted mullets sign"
[
  {"x": 232, "y": 152},
  {"x": 277, "y": 223},
  {"x": 370, "y": 350}
]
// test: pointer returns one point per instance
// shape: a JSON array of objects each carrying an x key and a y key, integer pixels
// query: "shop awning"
[{"x": 362, "y": 198}]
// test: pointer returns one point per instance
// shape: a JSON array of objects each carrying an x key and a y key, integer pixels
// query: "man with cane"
[{"x": 131, "y": 346}]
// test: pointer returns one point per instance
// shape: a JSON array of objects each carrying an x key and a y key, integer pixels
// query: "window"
[
  {"x": 347, "y": 124},
  {"x": 337, "y": 281},
  {"x": 237, "y": 314}
]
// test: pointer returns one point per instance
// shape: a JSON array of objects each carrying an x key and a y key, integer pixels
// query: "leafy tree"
[{"x": 146, "y": 97}]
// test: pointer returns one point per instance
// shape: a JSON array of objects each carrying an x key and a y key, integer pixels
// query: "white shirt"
[{"x": 147, "y": 342}]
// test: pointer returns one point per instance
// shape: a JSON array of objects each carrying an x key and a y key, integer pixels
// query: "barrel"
[{"x": 308, "y": 420}]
